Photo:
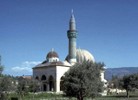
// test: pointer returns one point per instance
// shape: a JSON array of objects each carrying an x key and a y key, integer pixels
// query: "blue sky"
[{"x": 30, "y": 28}]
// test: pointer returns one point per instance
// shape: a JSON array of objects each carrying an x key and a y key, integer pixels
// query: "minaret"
[
  {"x": 0, "y": 60},
  {"x": 72, "y": 35}
]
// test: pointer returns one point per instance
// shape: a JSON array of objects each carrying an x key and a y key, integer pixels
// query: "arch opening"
[
  {"x": 51, "y": 83},
  {"x": 61, "y": 83},
  {"x": 44, "y": 87},
  {"x": 43, "y": 77},
  {"x": 37, "y": 78}
]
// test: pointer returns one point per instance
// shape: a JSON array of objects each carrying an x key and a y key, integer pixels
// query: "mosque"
[{"x": 51, "y": 71}]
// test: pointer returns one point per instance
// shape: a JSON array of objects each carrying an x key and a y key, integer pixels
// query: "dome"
[
  {"x": 84, "y": 55},
  {"x": 52, "y": 54}
]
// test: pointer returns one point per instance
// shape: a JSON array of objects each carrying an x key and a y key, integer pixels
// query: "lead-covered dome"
[
  {"x": 84, "y": 55},
  {"x": 52, "y": 56}
]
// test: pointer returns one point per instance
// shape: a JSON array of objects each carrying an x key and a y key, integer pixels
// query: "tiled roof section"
[
  {"x": 59, "y": 63},
  {"x": 48, "y": 64},
  {"x": 44, "y": 62},
  {"x": 52, "y": 54}
]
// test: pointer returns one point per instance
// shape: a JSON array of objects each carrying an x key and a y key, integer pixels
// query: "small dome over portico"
[{"x": 52, "y": 56}]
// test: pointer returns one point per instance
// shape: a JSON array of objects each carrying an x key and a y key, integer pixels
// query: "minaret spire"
[
  {"x": 72, "y": 23},
  {"x": 72, "y": 11},
  {"x": 0, "y": 60},
  {"x": 72, "y": 35}
]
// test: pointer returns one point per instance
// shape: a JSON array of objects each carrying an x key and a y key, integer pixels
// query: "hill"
[{"x": 119, "y": 72}]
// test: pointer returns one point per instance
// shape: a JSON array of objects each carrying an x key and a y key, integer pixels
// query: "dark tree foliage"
[
  {"x": 130, "y": 83},
  {"x": 6, "y": 85},
  {"x": 22, "y": 88},
  {"x": 1, "y": 69},
  {"x": 27, "y": 85},
  {"x": 34, "y": 86},
  {"x": 83, "y": 80},
  {"x": 114, "y": 82}
]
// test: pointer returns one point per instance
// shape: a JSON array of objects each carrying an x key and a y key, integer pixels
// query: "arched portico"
[
  {"x": 43, "y": 78},
  {"x": 44, "y": 83},
  {"x": 44, "y": 87},
  {"x": 61, "y": 83},
  {"x": 51, "y": 83}
]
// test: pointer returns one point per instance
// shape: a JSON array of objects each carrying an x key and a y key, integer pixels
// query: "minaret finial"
[
  {"x": 72, "y": 12},
  {"x": 72, "y": 16},
  {"x": 72, "y": 22},
  {"x": 52, "y": 49}
]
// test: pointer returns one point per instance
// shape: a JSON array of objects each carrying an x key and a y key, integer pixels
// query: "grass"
[
  {"x": 41, "y": 96},
  {"x": 51, "y": 96},
  {"x": 121, "y": 96}
]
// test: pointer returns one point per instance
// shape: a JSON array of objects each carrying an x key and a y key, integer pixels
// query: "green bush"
[{"x": 14, "y": 98}]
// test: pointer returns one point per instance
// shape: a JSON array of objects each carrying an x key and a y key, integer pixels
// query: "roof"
[
  {"x": 49, "y": 64},
  {"x": 52, "y": 54},
  {"x": 84, "y": 55}
]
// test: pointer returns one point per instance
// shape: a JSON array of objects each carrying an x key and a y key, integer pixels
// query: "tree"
[
  {"x": 130, "y": 83},
  {"x": 5, "y": 86},
  {"x": 34, "y": 85},
  {"x": 22, "y": 87},
  {"x": 115, "y": 81},
  {"x": 5, "y": 83},
  {"x": 27, "y": 85},
  {"x": 1, "y": 69},
  {"x": 83, "y": 79}
]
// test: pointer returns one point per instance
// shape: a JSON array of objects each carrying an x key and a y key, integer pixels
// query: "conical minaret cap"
[{"x": 72, "y": 23}]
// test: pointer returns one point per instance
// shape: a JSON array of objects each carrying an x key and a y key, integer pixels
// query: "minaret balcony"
[{"x": 72, "y": 34}]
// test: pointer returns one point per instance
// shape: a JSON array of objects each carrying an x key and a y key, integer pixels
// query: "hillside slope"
[{"x": 120, "y": 71}]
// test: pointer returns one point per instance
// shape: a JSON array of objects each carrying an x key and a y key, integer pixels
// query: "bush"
[{"x": 14, "y": 98}]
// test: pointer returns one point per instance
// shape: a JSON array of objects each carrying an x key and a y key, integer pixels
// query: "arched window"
[
  {"x": 61, "y": 83},
  {"x": 43, "y": 77},
  {"x": 37, "y": 78},
  {"x": 51, "y": 83}
]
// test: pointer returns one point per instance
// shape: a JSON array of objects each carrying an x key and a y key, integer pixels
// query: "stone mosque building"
[{"x": 51, "y": 71}]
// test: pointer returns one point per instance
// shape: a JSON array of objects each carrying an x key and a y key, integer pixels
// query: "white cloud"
[
  {"x": 30, "y": 63},
  {"x": 25, "y": 67},
  {"x": 20, "y": 69}
]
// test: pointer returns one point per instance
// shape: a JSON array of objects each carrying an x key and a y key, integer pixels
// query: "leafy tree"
[
  {"x": 27, "y": 85},
  {"x": 83, "y": 79},
  {"x": 22, "y": 87},
  {"x": 115, "y": 81},
  {"x": 1, "y": 69},
  {"x": 5, "y": 83},
  {"x": 130, "y": 83},
  {"x": 34, "y": 85},
  {"x": 5, "y": 86}
]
